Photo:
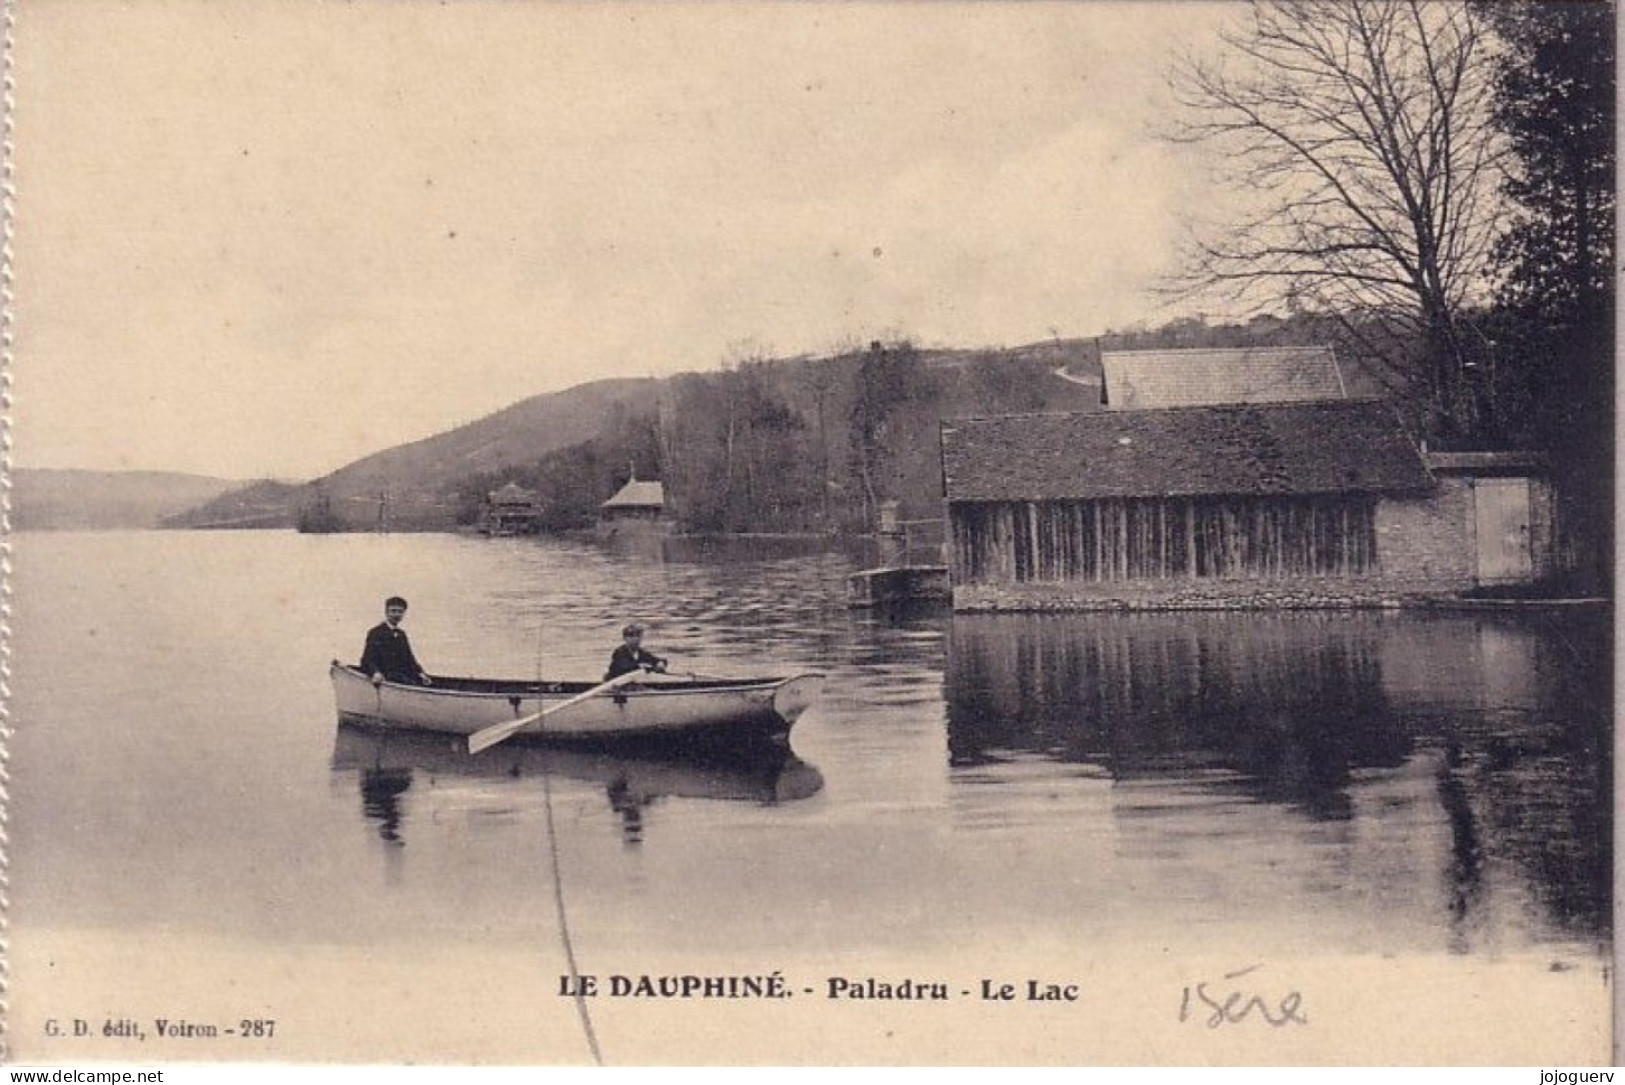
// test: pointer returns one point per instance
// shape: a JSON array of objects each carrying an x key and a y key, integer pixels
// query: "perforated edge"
[{"x": 8, "y": 19}]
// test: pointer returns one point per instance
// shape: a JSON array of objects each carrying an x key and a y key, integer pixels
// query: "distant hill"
[
  {"x": 45, "y": 499},
  {"x": 414, "y": 486},
  {"x": 804, "y": 444},
  {"x": 263, "y": 504},
  {"x": 809, "y": 443},
  {"x": 577, "y": 446},
  {"x": 525, "y": 431}
]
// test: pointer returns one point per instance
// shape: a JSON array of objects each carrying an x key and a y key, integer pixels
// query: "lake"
[{"x": 1390, "y": 832}]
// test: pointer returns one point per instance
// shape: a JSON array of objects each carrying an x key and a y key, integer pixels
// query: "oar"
[
  {"x": 694, "y": 676},
  {"x": 489, "y": 736}
]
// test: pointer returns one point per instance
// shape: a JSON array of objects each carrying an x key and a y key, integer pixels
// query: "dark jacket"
[
  {"x": 624, "y": 660},
  {"x": 389, "y": 653}
]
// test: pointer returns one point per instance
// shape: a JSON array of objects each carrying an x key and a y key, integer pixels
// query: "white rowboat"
[{"x": 653, "y": 708}]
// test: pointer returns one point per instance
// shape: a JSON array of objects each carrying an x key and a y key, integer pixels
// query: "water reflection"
[
  {"x": 387, "y": 763},
  {"x": 1489, "y": 734},
  {"x": 1291, "y": 715},
  {"x": 1464, "y": 874},
  {"x": 381, "y": 790}
]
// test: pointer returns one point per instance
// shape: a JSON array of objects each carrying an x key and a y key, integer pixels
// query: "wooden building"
[
  {"x": 1325, "y": 503},
  {"x": 638, "y": 506},
  {"x": 511, "y": 510}
]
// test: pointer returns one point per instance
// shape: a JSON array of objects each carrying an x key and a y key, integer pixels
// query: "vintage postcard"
[{"x": 763, "y": 534}]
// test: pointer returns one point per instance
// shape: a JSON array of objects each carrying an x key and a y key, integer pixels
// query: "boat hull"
[{"x": 657, "y": 710}]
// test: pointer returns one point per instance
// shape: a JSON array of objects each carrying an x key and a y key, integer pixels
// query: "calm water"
[{"x": 1103, "y": 797}]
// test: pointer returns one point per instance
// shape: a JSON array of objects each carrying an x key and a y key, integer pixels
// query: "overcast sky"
[{"x": 265, "y": 239}]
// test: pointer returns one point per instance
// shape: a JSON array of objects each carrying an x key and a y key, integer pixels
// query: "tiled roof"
[
  {"x": 1137, "y": 379},
  {"x": 638, "y": 495},
  {"x": 1297, "y": 448},
  {"x": 511, "y": 494}
]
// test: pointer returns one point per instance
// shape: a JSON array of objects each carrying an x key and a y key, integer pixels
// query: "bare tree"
[{"x": 1359, "y": 133}]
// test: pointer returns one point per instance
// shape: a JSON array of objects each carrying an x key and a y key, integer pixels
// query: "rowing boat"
[{"x": 653, "y": 709}]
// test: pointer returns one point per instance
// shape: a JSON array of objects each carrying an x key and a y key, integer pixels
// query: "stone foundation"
[{"x": 1325, "y": 594}]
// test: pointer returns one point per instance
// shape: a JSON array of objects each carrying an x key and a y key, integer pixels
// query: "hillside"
[
  {"x": 264, "y": 504},
  {"x": 577, "y": 446},
  {"x": 50, "y": 499},
  {"x": 414, "y": 486},
  {"x": 525, "y": 431},
  {"x": 819, "y": 444},
  {"x": 805, "y": 444}
]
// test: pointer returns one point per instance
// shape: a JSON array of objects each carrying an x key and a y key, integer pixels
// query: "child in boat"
[{"x": 629, "y": 655}]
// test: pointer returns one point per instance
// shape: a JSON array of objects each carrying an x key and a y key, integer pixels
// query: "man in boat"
[
  {"x": 388, "y": 655},
  {"x": 629, "y": 655}
]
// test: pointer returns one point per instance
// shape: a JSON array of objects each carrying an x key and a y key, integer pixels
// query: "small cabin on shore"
[
  {"x": 1298, "y": 504},
  {"x": 511, "y": 510},
  {"x": 639, "y": 506}
]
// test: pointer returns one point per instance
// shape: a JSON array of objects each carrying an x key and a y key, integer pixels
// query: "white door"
[{"x": 1502, "y": 513}]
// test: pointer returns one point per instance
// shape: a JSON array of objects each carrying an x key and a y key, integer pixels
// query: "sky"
[{"x": 266, "y": 239}]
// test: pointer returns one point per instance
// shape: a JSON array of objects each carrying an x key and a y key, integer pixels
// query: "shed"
[
  {"x": 1292, "y": 504},
  {"x": 637, "y": 504},
  {"x": 1512, "y": 507}
]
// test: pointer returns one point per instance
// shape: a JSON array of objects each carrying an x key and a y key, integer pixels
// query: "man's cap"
[
  {"x": 633, "y": 629},
  {"x": 394, "y": 601}
]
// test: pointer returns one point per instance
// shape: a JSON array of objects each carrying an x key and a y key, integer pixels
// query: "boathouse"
[
  {"x": 511, "y": 510},
  {"x": 639, "y": 506},
  {"x": 1300, "y": 504}
]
